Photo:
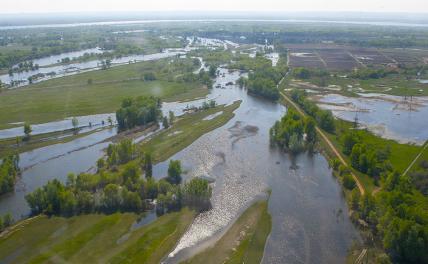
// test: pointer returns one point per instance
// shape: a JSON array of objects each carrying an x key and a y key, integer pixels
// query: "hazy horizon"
[{"x": 47, "y": 6}]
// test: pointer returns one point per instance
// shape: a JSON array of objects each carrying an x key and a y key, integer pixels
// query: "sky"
[{"x": 47, "y": 6}]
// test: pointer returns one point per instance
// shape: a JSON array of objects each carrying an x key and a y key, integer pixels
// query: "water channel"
[{"x": 309, "y": 214}]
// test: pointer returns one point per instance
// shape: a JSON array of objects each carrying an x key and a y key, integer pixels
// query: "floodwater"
[
  {"x": 388, "y": 116},
  {"x": 306, "y": 199},
  {"x": 86, "y": 123},
  {"x": 309, "y": 214},
  {"x": 71, "y": 55},
  {"x": 79, "y": 67}
]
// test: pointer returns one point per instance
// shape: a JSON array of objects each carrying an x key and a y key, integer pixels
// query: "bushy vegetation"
[
  {"x": 6, "y": 221},
  {"x": 324, "y": 118},
  {"x": 366, "y": 158},
  {"x": 367, "y": 73},
  {"x": 420, "y": 177},
  {"x": 139, "y": 111},
  {"x": 288, "y": 133},
  {"x": 114, "y": 188},
  {"x": 305, "y": 73},
  {"x": 400, "y": 216},
  {"x": 263, "y": 82},
  {"x": 9, "y": 169}
]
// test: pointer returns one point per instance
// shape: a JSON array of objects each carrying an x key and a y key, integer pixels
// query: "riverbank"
[
  {"x": 95, "y": 237},
  {"x": 245, "y": 240},
  {"x": 10, "y": 146},
  {"x": 186, "y": 130}
]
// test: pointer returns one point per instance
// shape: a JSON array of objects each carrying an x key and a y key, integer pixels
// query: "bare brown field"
[{"x": 344, "y": 58}]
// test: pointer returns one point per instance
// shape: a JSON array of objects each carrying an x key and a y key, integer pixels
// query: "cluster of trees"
[
  {"x": 293, "y": 131},
  {"x": 167, "y": 121},
  {"x": 324, "y": 118},
  {"x": 139, "y": 111},
  {"x": 263, "y": 82},
  {"x": 420, "y": 177},
  {"x": 105, "y": 64},
  {"x": 397, "y": 215},
  {"x": 149, "y": 76},
  {"x": 120, "y": 189},
  {"x": 344, "y": 173},
  {"x": 366, "y": 158},
  {"x": 203, "y": 77},
  {"x": 24, "y": 66},
  {"x": 120, "y": 153},
  {"x": 9, "y": 169},
  {"x": 369, "y": 73},
  {"x": 304, "y": 73}
]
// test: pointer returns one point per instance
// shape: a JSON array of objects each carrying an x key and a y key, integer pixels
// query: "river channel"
[{"x": 309, "y": 213}]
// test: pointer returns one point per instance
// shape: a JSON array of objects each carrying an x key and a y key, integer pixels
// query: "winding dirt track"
[{"x": 327, "y": 140}]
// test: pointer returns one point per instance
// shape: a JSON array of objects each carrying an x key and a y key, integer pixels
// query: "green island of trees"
[
  {"x": 263, "y": 82},
  {"x": 118, "y": 186},
  {"x": 137, "y": 112},
  {"x": 293, "y": 133}
]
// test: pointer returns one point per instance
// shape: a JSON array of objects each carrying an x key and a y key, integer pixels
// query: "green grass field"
[
  {"x": 186, "y": 130},
  {"x": 72, "y": 95},
  {"x": 244, "y": 241},
  {"x": 401, "y": 154},
  {"x": 93, "y": 239}
]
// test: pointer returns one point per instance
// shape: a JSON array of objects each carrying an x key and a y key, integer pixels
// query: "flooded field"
[
  {"x": 310, "y": 223},
  {"x": 56, "y": 71},
  {"x": 86, "y": 123},
  {"x": 392, "y": 117},
  {"x": 238, "y": 157}
]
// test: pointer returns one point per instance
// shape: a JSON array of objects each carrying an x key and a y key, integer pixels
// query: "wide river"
[{"x": 309, "y": 213}]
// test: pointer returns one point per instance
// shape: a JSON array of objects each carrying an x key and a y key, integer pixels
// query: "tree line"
[
  {"x": 324, "y": 118},
  {"x": 120, "y": 187}
]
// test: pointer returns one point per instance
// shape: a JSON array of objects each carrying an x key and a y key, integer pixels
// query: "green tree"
[
  {"x": 75, "y": 123},
  {"x": 197, "y": 194},
  {"x": 27, "y": 130},
  {"x": 310, "y": 131},
  {"x": 111, "y": 197},
  {"x": 174, "y": 172},
  {"x": 349, "y": 182},
  {"x": 171, "y": 117},
  {"x": 148, "y": 167},
  {"x": 165, "y": 122}
]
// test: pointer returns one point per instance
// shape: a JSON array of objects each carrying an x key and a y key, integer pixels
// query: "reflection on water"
[
  {"x": 238, "y": 157},
  {"x": 79, "y": 67},
  {"x": 71, "y": 55},
  {"x": 53, "y": 162},
  {"x": 309, "y": 217},
  {"x": 305, "y": 199},
  {"x": 386, "y": 115},
  {"x": 86, "y": 123}
]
